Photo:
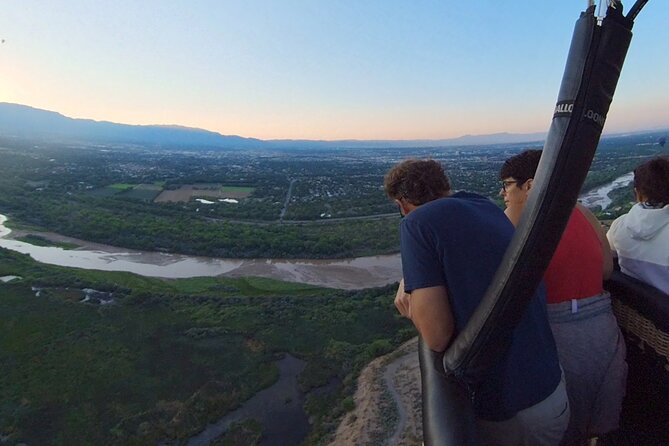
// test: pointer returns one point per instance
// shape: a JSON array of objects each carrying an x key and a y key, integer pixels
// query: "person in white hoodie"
[{"x": 640, "y": 238}]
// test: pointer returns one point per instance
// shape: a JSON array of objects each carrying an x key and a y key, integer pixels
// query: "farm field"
[{"x": 188, "y": 192}]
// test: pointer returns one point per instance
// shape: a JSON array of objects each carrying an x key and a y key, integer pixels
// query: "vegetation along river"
[{"x": 361, "y": 272}]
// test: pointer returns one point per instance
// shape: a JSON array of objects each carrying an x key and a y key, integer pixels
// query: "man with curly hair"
[{"x": 451, "y": 246}]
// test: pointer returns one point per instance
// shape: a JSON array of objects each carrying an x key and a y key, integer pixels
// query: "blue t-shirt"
[{"x": 459, "y": 242}]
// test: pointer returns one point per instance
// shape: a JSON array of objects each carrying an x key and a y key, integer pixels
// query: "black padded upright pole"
[{"x": 447, "y": 408}]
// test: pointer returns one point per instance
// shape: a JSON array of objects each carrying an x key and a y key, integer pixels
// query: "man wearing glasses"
[
  {"x": 451, "y": 246},
  {"x": 515, "y": 192}
]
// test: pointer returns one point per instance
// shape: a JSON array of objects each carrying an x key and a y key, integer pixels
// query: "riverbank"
[
  {"x": 599, "y": 197},
  {"x": 356, "y": 273}
]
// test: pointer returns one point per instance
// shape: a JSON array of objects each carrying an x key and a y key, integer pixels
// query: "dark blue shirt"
[{"x": 459, "y": 242}]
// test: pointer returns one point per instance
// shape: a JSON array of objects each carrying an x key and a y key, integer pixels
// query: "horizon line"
[{"x": 539, "y": 134}]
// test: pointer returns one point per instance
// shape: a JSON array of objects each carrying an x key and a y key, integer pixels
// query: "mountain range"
[{"x": 22, "y": 121}]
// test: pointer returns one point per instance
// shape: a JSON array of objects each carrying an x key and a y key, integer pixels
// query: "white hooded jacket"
[{"x": 641, "y": 240}]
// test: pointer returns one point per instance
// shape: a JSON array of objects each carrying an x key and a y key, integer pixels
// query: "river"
[
  {"x": 356, "y": 273},
  {"x": 600, "y": 197},
  {"x": 361, "y": 272},
  {"x": 279, "y": 408}
]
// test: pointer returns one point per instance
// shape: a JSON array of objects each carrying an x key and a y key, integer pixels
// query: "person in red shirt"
[{"x": 590, "y": 346}]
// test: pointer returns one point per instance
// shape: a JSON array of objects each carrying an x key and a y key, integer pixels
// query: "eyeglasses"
[{"x": 508, "y": 183}]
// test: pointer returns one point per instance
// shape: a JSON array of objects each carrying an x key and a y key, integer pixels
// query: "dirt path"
[
  {"x": 391, "y": 386},
  {"x": 388, "y": 403}
]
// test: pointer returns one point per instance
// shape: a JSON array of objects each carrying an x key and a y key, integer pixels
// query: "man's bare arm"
[{"x": 430, "y": 312}]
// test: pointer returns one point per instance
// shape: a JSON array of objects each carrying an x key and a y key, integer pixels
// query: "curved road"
[{"x": 301, "y": 222}]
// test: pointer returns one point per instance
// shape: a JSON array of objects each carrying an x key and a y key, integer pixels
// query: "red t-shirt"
[{"x": 575, "y": 271}]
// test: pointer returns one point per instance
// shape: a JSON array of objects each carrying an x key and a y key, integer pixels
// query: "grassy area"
[
  {"x": 158, "y": 186},
  {"x": 237, "y": 189},
  {"x": 171, "y": 355},
  {"x": 41, "y": 241},
  {"x": 122, "y": 186},
  {"x": 13, "y": 224}
]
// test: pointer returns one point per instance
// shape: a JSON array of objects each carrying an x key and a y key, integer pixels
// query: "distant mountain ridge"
[
  {"x": 466, "y": 140},
  {"x": 27, "y": 122},
  {"x": 24, "y": 121}
]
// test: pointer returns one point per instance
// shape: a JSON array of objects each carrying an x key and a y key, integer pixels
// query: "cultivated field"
[{"x": 188, "y": 191}]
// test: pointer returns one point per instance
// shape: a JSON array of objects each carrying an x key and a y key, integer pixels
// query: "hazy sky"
[{"x": 317, "y": 69}]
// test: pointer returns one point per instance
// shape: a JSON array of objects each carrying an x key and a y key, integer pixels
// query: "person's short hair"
[
  {"x": 651, "y": 180},
  {"x": 521, "y": 167},
  {"x": 417, "y": 181}
]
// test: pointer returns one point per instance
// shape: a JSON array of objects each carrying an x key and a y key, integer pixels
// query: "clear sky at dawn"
[{"x": 318, "y": 69}]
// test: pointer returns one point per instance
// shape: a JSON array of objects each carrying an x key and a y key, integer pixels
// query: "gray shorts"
[
  {"x": 592, "y": 354},
  {"x": 543, "y": 424}
]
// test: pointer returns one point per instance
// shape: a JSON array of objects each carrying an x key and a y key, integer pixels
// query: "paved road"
[
  {"x": 285, "y": 204},
  {"x": 302, "y": 222}
]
